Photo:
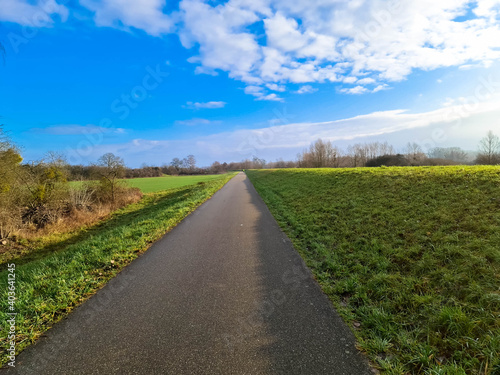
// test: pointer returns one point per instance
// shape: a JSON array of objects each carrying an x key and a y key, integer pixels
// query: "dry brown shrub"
[{"x": 80, "y": 216}]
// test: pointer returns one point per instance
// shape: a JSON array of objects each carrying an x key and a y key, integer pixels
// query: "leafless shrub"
[
  {"x": 82, "y": 197},
  {"x": 489, "y": 150}
]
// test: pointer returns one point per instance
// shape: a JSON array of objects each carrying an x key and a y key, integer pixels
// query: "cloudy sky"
[{"x": 225, "y": 80}]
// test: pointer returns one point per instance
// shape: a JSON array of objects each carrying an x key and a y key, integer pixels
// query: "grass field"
[
  {"x": 410, "y": 257},
  {"x": 73, "y": 269},
  {"x": 155, "y": 184}
]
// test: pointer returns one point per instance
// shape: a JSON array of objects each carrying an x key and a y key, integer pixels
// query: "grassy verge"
[
  {"x": 410, "y": 257},
  {"x": 48, "y": 288}
]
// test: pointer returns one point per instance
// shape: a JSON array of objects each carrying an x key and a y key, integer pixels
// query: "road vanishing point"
[{"x": 224, "y": 292}]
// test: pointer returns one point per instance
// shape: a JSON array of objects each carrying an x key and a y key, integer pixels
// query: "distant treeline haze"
[{"x": 323, "y": 154}]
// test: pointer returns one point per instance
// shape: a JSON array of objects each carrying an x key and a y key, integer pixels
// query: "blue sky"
[{"x": 153, "y": 80}]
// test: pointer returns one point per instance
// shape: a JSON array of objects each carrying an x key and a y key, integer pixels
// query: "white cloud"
[
  {"x": 271, "y": 97},
  {"x": 203, "y": 69},
  {"x": 205, "y": 105},
  {"x": 283, "y": 34},
  {"x": 145, "y": 15},
  {"x": 307, "y": 89},
  {"x": 354, "y": 90},
  {"x": 275, "y": 42},
  {"x": 381, "y": 87},
  {"x": 456, "y": 125},
  {"x": 254, "y": 90},
  {"x": 275, "y": 87},
  {"x": 488, "y": 8},
  {"x": 32, "y": 13},
  {"x": 221, "y": 37},
  {"x": 366, "y": 81},
  {"x": 196, "y": 122},
  {"x": 260, "y": 94},
  {"x": 315, "y": 41},
  {"x": 73, "y": 129},
  {"x": 458, "y": 119},
  {"x": 357, "y": 90},
  {"x": 482, "y": 64},
  {"x": 350, "y": 80}
]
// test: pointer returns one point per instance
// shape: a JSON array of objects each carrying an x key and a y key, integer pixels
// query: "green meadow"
[
  {"x": 156, "y": 184},
  {"x": 62, "y": 274},
  {"x": 410, "y": 257}
]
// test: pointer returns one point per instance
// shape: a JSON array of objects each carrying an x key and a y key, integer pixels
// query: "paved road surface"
[{"x": 222, "y": 293}]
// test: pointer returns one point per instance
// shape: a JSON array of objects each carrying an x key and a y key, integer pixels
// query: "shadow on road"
[{"x": 309, "y": 337}]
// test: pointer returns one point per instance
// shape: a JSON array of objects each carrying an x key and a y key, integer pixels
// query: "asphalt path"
[{"x": 222, "y": 293}]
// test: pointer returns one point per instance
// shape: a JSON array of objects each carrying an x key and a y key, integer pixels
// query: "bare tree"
[
  {"x": 320, "y": 154},
  {"x": 489, "y": 150},
  {"x": 112, "y": 168},
  {"x": 176, "y": 163},
  {"x": 359, "y": 154},
  {"x": 455, "y": 154},
  {"x": 190, "y": 162},
  {"x": 414, "y": 153},
  {"x": 319, "y": 151},
  {"x": 279, "y": 163},
  {"x": 216, "y": 167},
  {"x": 258, "y": 163}
]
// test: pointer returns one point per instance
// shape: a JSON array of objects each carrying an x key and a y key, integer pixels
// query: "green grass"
[
  {"x": 48, "y": 289},
  {"x": 410, "y": 257},
  {"x": 156, "y": 184}
]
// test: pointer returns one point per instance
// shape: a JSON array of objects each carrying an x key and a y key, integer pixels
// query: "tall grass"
[{"x": 410, "y": 257}]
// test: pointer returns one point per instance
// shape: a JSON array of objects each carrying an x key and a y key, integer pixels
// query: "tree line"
[{"x": 324, "y": 154}]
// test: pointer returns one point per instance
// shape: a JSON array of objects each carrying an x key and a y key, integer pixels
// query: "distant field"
[
  {"x": 410, "y": 257},
  {"x": 156, "y": 184}
]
